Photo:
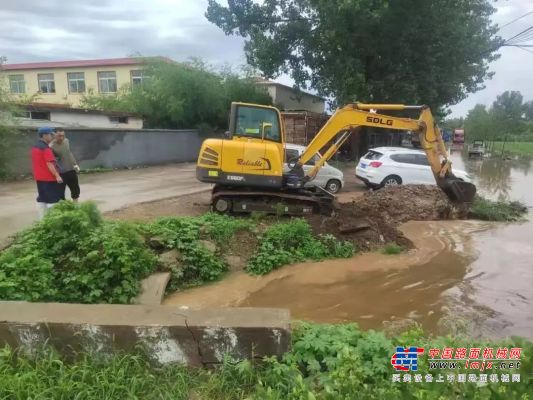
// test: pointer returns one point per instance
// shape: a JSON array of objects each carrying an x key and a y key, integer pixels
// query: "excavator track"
[{"x": 294, "y": 203}]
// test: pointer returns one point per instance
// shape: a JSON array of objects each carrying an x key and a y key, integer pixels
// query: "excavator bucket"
[{"x": 458, "y": 190}]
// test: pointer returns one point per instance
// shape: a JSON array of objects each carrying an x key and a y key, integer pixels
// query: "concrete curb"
[{"x": 164, "y": 333}]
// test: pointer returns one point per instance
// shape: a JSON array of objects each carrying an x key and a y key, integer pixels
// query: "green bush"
[
  {"x": 289, "y": 242},
  {"x": 199, "y": 264},
  {"x": 325, "y": 362},
  {"x": 392, "y": 248},
  {"x": 73, "y": 256},
  {"x": 489, "y": 210}
]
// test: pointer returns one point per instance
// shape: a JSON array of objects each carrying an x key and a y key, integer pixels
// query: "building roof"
[
  {"x": 266, "y": 82},
  {"x": 105, "y": 62},
  {"x": 66, "y": 108}
]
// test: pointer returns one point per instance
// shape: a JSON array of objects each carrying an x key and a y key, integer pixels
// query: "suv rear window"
[{"x": 373, "y": 155}]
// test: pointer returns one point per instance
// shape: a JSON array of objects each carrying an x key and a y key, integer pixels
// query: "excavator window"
[
  {"x": 291, "y": 155},
  {"x": 250, "y": 122}
]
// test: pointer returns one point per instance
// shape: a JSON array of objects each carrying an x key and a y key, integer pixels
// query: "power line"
[
  {"x": 522, "y": 39},
  {"x": 519, "y": 35},
  {"x": 516, "y": 19}
]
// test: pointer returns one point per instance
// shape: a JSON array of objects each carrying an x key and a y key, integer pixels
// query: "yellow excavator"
[{"x": 247, "y": 167}]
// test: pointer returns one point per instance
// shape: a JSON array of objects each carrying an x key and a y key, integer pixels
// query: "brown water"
[
  {"x": 465, "y": 276},
  {"x": 500, "y": 279}
]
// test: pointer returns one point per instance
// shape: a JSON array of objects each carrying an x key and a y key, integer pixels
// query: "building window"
[
  {"x": 137, "y": 77},
  {"x": 46, "y": 83},
  {"x": 17, "y": 84},
  {"x": 40, "y": 115},
  {"x": 76, "y": 82},
  {"x": 118, "y": 120},
  {"x": 107, "y": 82}
]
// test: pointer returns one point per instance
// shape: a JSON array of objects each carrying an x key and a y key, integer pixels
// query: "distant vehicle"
[
  {"x": 476, "y": 149},
  {"x": 328, "y": 177},
  {"x": 458, "y": 136},
  {"x": 447, "y": 135},
  {"x": 388, "y": 166}
]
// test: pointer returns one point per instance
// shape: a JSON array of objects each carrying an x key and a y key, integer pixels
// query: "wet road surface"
[
  {"x": 468, "y": 277},
  {"x": 110, "y": 190}
]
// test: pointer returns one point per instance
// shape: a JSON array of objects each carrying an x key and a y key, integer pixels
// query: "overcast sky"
[{"x": 40, "y": 30}]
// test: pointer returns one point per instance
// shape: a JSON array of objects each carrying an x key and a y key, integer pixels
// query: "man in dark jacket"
[
  {"x": 68, "y": 167},
  {"x": 45, "y": 171}
]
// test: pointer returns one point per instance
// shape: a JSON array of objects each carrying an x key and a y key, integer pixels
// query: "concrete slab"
[
  {"x": 153, "y": 289},
  {"x": 166, "y": 334}
]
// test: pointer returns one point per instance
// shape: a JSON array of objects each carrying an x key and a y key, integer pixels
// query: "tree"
[
  {"x": 528, "y": 111},
  {"x": 176, "y": 95},
  {"x": 412, "y": 51},
  {"x": 508, "y": 111},
  {"x": 454, "y": 123},
  {"x": 508, "y": 116},
  {"x": 7, "y": 107},
  {"x": 478, "y": 124}
]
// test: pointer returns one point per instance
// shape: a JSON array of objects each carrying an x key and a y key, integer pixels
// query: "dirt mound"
[{"x": 373, "y": 219}]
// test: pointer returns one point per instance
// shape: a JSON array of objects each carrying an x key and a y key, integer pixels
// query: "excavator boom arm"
[{"x": 348, "y": 118}]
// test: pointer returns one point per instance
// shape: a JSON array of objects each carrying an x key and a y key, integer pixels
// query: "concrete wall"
[
  {"x": 165, "y": 334},
  {"x": 62, "y": 94},
  {"x": 112, "y": 148}
]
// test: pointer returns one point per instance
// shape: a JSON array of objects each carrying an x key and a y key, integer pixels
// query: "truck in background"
[
  {"x": 458, "y": 136},
  {"x": 447, "y": 135}
]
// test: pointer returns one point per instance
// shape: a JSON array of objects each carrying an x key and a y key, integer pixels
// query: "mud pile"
[{"x": 373, "y": 219}]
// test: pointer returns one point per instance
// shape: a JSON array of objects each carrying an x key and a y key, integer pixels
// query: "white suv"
[{"x": 385, "y": 166}]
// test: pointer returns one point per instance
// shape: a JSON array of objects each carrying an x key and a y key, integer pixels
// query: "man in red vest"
[{"x": 45, "y": 171}]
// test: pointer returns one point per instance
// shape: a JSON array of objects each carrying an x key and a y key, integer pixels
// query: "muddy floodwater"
[{"x": 466, "y": 277}]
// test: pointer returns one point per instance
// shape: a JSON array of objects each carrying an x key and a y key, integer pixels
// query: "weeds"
[
  {"x": 392, "y": 248},
  {"x": 290, "y": 242},
  {"x": 325, "y": 362},
  {"x": 198, "y": 264},
  {"x": 73, "y": 256},
  {"x": 488, "y": 210}
]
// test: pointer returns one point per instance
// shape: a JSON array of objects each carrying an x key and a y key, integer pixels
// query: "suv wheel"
[{"x": 391, "y": 180}]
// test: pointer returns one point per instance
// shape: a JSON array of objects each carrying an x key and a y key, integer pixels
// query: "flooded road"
[
  {"x": 466, "y": 277},
  {"x": 500, "y": 279}
]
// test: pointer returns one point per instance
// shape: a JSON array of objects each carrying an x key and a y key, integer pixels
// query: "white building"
[
  {"x": 58, "y": 115},
  {"x": 289, "y": 99}
]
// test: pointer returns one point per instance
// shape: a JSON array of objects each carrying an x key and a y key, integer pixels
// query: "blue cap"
[{"x": 44, "y": 130}]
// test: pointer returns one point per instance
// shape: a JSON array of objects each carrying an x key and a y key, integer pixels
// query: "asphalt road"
[{"x": 110, "y": 191}]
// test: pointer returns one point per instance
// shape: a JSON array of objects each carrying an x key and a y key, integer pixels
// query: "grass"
[
  {"x": 392, "y": 248},
  {"x": 513, "y": 148},
  {"x": 502, "y": 211},
  {"x": 325, "y": 362}
]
